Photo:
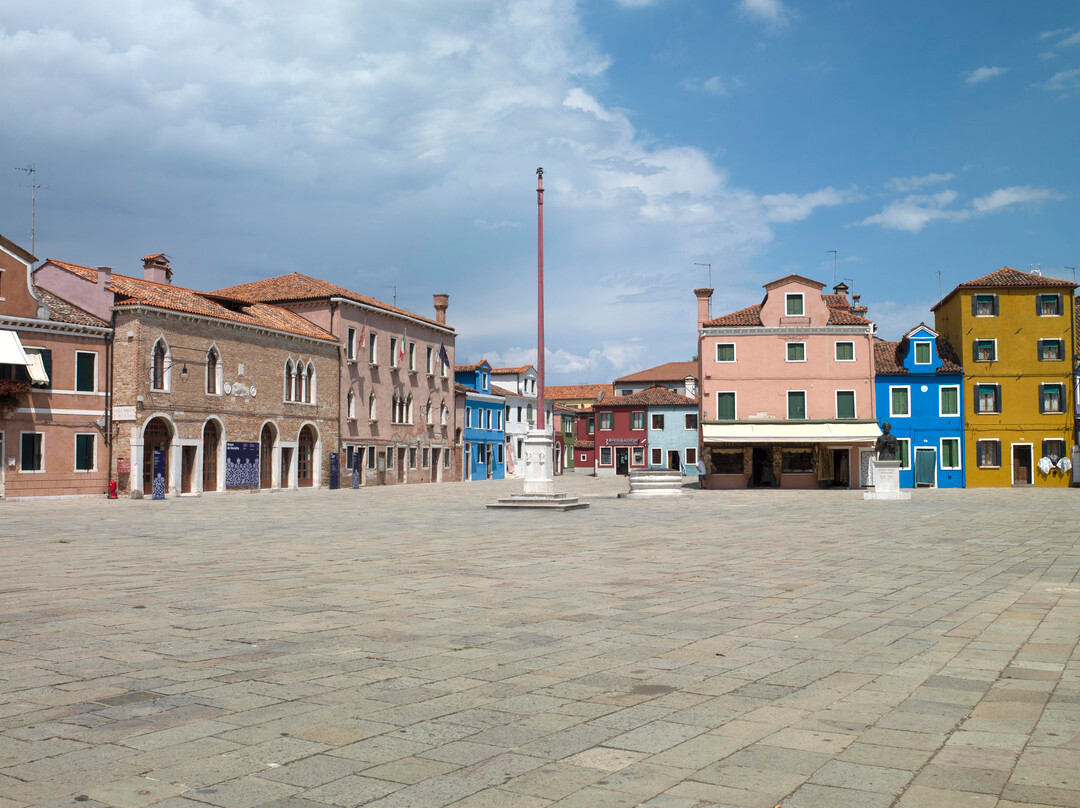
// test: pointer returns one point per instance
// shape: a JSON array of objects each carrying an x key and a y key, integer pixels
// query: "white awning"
[
  {"x": 11, "y": 350},
  {"x": 36, "y": 368},
  {"x": 783, "y": 432}
]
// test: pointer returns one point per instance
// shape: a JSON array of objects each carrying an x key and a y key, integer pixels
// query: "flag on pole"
[
  {"x": 444, "y": 357},
  {"x": 363, "y": 335},
  {"x": 402, "y": 349}
]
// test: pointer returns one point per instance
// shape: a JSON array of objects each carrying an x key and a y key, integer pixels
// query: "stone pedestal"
[
  {"x": 654, "y": 483},
  {"x": 537, "y": 450},
  {"x": 886, "y": 482}
]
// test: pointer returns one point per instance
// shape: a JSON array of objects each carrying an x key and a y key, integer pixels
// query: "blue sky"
[{"x": 379, "y": 144}]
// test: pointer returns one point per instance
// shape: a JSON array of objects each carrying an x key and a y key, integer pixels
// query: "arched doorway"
[
  {"x": 266, "y": 457},
  {"x": 156, "y": 437},
  {"x": 211, "y": 443},
  {"x": 305, "y": 458}
]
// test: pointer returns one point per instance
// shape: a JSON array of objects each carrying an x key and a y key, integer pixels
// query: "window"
[
  {"x": 487, "y": 419},
  {"x": 501, "y": 454},
  {"x": 424, "y": 461},
  {"x": 922, "y": 353},
  {"x": 389, "y": 458},
  {"x": 725, "y": 352},
  {"x": 1053, "y": 448},
  {"x": 483, "y": 381},
  {"x": 793, "y": 304},
  {"x": 984, "y": 305},
  {"x": 529, "y": 413},
  {"x": 309, "y": 384},
  {"x": 445, "y": 365},
  {"x": 845, "y": 403},
  {"x": 445, "y": 416},
  {"x": 159, "y": 372},
  {"x": 1051, "y": 399},
  {"x": 468, "y": 417},
  {"x": 984, "y": 350},
  {"x": 950, "y": 453},
  {"x": 797, "y": 460},
  {"x": 690, "y": 455},
  {"x": 903, "y": 452},
  {"x": 796, "y": 352},
  {"x": 213, "y": 372},
  {"x": 988, "y": 454},
  {"x": 796, "y": 405},
  {"x": 350, "y": 405},
  {"x": 637, "y": 420},
  {"x": 288, "y": 379},
  {"x": 393, "y": 352},
  {"x": 605, "y": 455},
  {"x": 845, "y": 352},
  {"x": 412, "y": 357},
  {"x": 430, "y": 361},
  {"x": 1050, "y": 305},
  {"x": 518, "y": 446},
  {"x": 446, "y": 458},
  {"x": 987, "y": 398},
  {"x": 656, "y": 457},
  {"x": 298, "y": 383},
  {"x": 639, "y": 456},
  {"x": 30, "y": 451},
  {"x": 626, "y": 392},
  {"x": 36, "y": 355},
  {"x": 1051, "y": 350},
  {"x": 657, "y": 420},
  {"x": 728, "y": 461},
  {"x": 372, "y": 412},
  {"x": 607, "y": 420},
  {"x": 84, "y": 452},
  {"x": 691, "y": 420},
  {"x": 350, "y": 345},
  {"x": 590, "y": 424},
  {"x": 949, "y": 400},
  {"x": 372, "y": 347},
  {"x": 85, "y": 371},
  {"x": 899, "y": 405},
  {"x": 412, "y": 458},
  {"x": 725, "y": 406},
  {"x": 371, "y": 457}
]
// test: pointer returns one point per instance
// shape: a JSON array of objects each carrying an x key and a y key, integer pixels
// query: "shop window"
[
  {"x": 727, "y": 461},
  {"x": 797, "y": 460},
  {"x": 639, "y": 456},
  {"x": 605, "y": 455}
]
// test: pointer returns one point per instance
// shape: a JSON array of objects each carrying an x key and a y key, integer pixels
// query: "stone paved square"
[{"x": 403, "y": 646}]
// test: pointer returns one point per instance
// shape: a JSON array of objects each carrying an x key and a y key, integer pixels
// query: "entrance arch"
[
  {"x": 211, "y": 450},
  {"x": 157, "y": 436},
  {"x": 266, "y": 456},
  {"x": 305, "y": 458}
]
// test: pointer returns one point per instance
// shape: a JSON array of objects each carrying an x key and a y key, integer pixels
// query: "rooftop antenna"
[
  {"x": 1035, "y": 269},
  {"x": 388, "y": 286},
  {"x": 833, "y": 265},
  {"x": 1073, "y": 272},
  {"x": 939, "y": 284},
  {"x": 31, "y": 172},
  {"x": 710, "y": 282},
  {"x": 852, "y": 282}
]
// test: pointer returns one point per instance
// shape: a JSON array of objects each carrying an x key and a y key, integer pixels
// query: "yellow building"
[{"x": 1014, "y": 333}]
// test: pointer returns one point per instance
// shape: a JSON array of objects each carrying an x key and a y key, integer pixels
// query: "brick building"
[
  {"x": 396, "y": 395},
  {"x": 238, "y": 395}
]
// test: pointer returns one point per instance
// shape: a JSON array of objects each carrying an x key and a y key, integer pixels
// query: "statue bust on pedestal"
[{"x": 886, "y": 445}]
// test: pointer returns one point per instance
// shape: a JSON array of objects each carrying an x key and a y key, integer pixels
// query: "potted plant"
[{"x": 10, "y": 392}]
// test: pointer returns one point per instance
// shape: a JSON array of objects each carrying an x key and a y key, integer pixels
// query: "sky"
[{"x": 391, "y": 148}]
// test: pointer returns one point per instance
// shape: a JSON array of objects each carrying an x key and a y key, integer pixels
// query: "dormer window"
[
  {"x": 922, "y": 353},
  {"x": 793, "y": 304}
]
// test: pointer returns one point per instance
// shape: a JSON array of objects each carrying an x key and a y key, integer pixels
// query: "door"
[
  {"x": 286, "y": 464},
  {"x": 673, "y": 460},
  {"x": 866, "y": 467},
  {"x": 841, "y": 472},
  {"x": 436, "y": 456},
  {"x": 211, "y": 440},
  {"x": 489, "y": 459},
  {"x": 622, "y": 461},
  {"x": 403, "y": 473},
  {"x": 1022, "y": 464},
  {"x": 266, "y": 458},
  {"x": 155, "y": 439},
  {"x": 305, "y": 459},
  {"x": 925, "y": 468},
  {"x": 761, "y": 474}
]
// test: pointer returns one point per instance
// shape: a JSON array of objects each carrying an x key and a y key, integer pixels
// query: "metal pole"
[{"x": 540, "y": 299}]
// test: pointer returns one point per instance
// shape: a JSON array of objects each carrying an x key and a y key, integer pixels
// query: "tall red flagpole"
[{"x": 540, "y": 299}]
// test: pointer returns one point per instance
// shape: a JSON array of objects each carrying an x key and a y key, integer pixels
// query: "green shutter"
[
  {"x": 85, "y": 365},
  {"x": 845, "y": 404},
  {"x": 949, "y": 403},
  {"x": 84, "y": 452},
  {"x": 725, "y": 406}
]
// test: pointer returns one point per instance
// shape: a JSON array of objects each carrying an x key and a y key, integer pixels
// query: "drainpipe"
[{"x": 109, "y": 398}]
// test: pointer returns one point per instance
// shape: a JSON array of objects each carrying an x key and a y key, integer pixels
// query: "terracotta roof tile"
[
  {"x": 577, "y": 392},
  {"x": 1009, "y": 278},
  {"x": 501, "y": 391},
  {"x": 507, "y": 371},
  {"x": 751, "y": 315},
  {"x": 889, "y": 357},
  {"x": 61, "y": 311},
  {"x": 652, "y": 397},
  {"x": 472, "y": 368},
  {"x": 668, "y": 372},
  {"x": 130, "y": 292},
  {"x": 296, "y": 287},
  {"x": 839, "y": 314},
  {"x": 584, "y": 444}
]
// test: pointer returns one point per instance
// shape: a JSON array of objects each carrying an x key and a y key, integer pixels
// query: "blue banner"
[
  {"x": 335, "y": 471},
  {"x": 241, "y": 464},
  {"x": 159, "y": 474},
  {"x": 356, "y": 468}
]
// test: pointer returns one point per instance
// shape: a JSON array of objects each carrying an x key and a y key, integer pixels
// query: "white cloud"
[
  {"x": 984, "y": 74},
  {"x": 1054, "y": 33},
  {"x": 1069, "y": 41},
  {"x": 795, "y": 208},
  {"x": 637, "y": 3},
  {"x": 1062, "y": 81},
  {"x": 772, "y": 12},
  {"x": 908, "y": 184},
  {"x": 714, "y": 85},
  {"x": 914, "y": 212}
]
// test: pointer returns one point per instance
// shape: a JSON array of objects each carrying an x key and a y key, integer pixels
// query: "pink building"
[{"x": 787, "y": 389}]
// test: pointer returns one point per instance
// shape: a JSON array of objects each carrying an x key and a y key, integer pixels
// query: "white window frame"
[
  {"x": 166, "y": 369},
  {"x": 836, "y": 350},
  {"x": 430, "y": 361},
  {"x": 410, "y": 354},
  {"x": 806, "y": 406},
  {"x": 31, "y": 471},
  {"x": 788, "y": 297},
  {"x": 373, "y": 407},
  {"x": 689, "y": 460},
  {"x": 854, "y": 405},
  {"x": 941, "y": 455},
  {"x": 734, "y": 353},
  {"x": 609, "y": 417},
  {"x": 735, "y": 399},
  {"x": 941, "y": 401},
  {"x": 350, "y": 345},
  {"x": 75, "y": 454},
  {"x": 350, "y": 405},
  {"x": 993, "y": 303},
  {"x": 929, "y": 352},
  {"x": 393, "y": 352},
  {"x": 656, "y": 456},
  {"x": 373, "y": 349},
  {"x": 905, "y": 387},
  {"x": 975, "y": 350},
  {"x": 633, "y": 418},
  {"x": 910, "y": 459},
  {"x": 75, "y": 386},
  {"x": 610, "y": 457},
  {"x": 787, "y": 351}
]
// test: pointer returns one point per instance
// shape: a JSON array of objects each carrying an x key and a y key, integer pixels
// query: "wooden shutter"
[
  {"x": 974, "y": 305},
  {"x": 995, "y": 298},
  {"x": 1042, "y": 389},
  {"x": 46, "y": 362}
]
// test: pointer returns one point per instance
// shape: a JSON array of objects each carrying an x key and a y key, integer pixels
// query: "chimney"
[
  {"x": 856, "y": 308},
  {"x": 441, "y": 304},
  {"x": 840, "y": 289},
  {"x": 156, "y": 268},
  {"x": 704, "y": 299},
  {"x": 104, "y": 275}
]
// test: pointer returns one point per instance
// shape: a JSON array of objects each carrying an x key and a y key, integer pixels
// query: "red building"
[{"x": 622, "y": 434}]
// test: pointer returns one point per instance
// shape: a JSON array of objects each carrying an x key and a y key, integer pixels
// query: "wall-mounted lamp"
[{"x": 183, "y": 372}]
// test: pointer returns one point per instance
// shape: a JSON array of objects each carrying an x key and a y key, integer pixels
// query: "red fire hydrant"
[{"x": 112, "y": 489}]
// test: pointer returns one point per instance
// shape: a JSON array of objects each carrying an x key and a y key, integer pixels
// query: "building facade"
[
  {"x": 1015, "y": 330},
  {"x": 787, "y": 390},
  {"x": 565, "y": 425},
  {"x": 622, "y": 434},
  {"x": 396, "y": 396},
  {"x": 678, "y": 377},
  {"x": 673, "y": 430},
  {"x": 484, "y": 435},
  {"x": 54, "y": 382},
  {"x": 920, "y": 392}
]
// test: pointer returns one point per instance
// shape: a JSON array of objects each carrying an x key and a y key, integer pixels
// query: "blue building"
[
  {"x": 484, "y": 434},
  {"x": 919, "y": 388},
  {"x": 673, "y": 429}
]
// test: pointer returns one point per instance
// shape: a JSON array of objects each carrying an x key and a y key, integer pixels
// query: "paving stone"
[
  {"x": 313, "y": 771},
  {"x": 135, "y": 792},
  {"x": 818, "y": 796},
  {"x": 922, "y": 797},
  {"x": 351, "y": 790},
  {"x": 861, "y": 777},
  {"x": 410, "y": 770},
  {"x": 655, "y": 737}
]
